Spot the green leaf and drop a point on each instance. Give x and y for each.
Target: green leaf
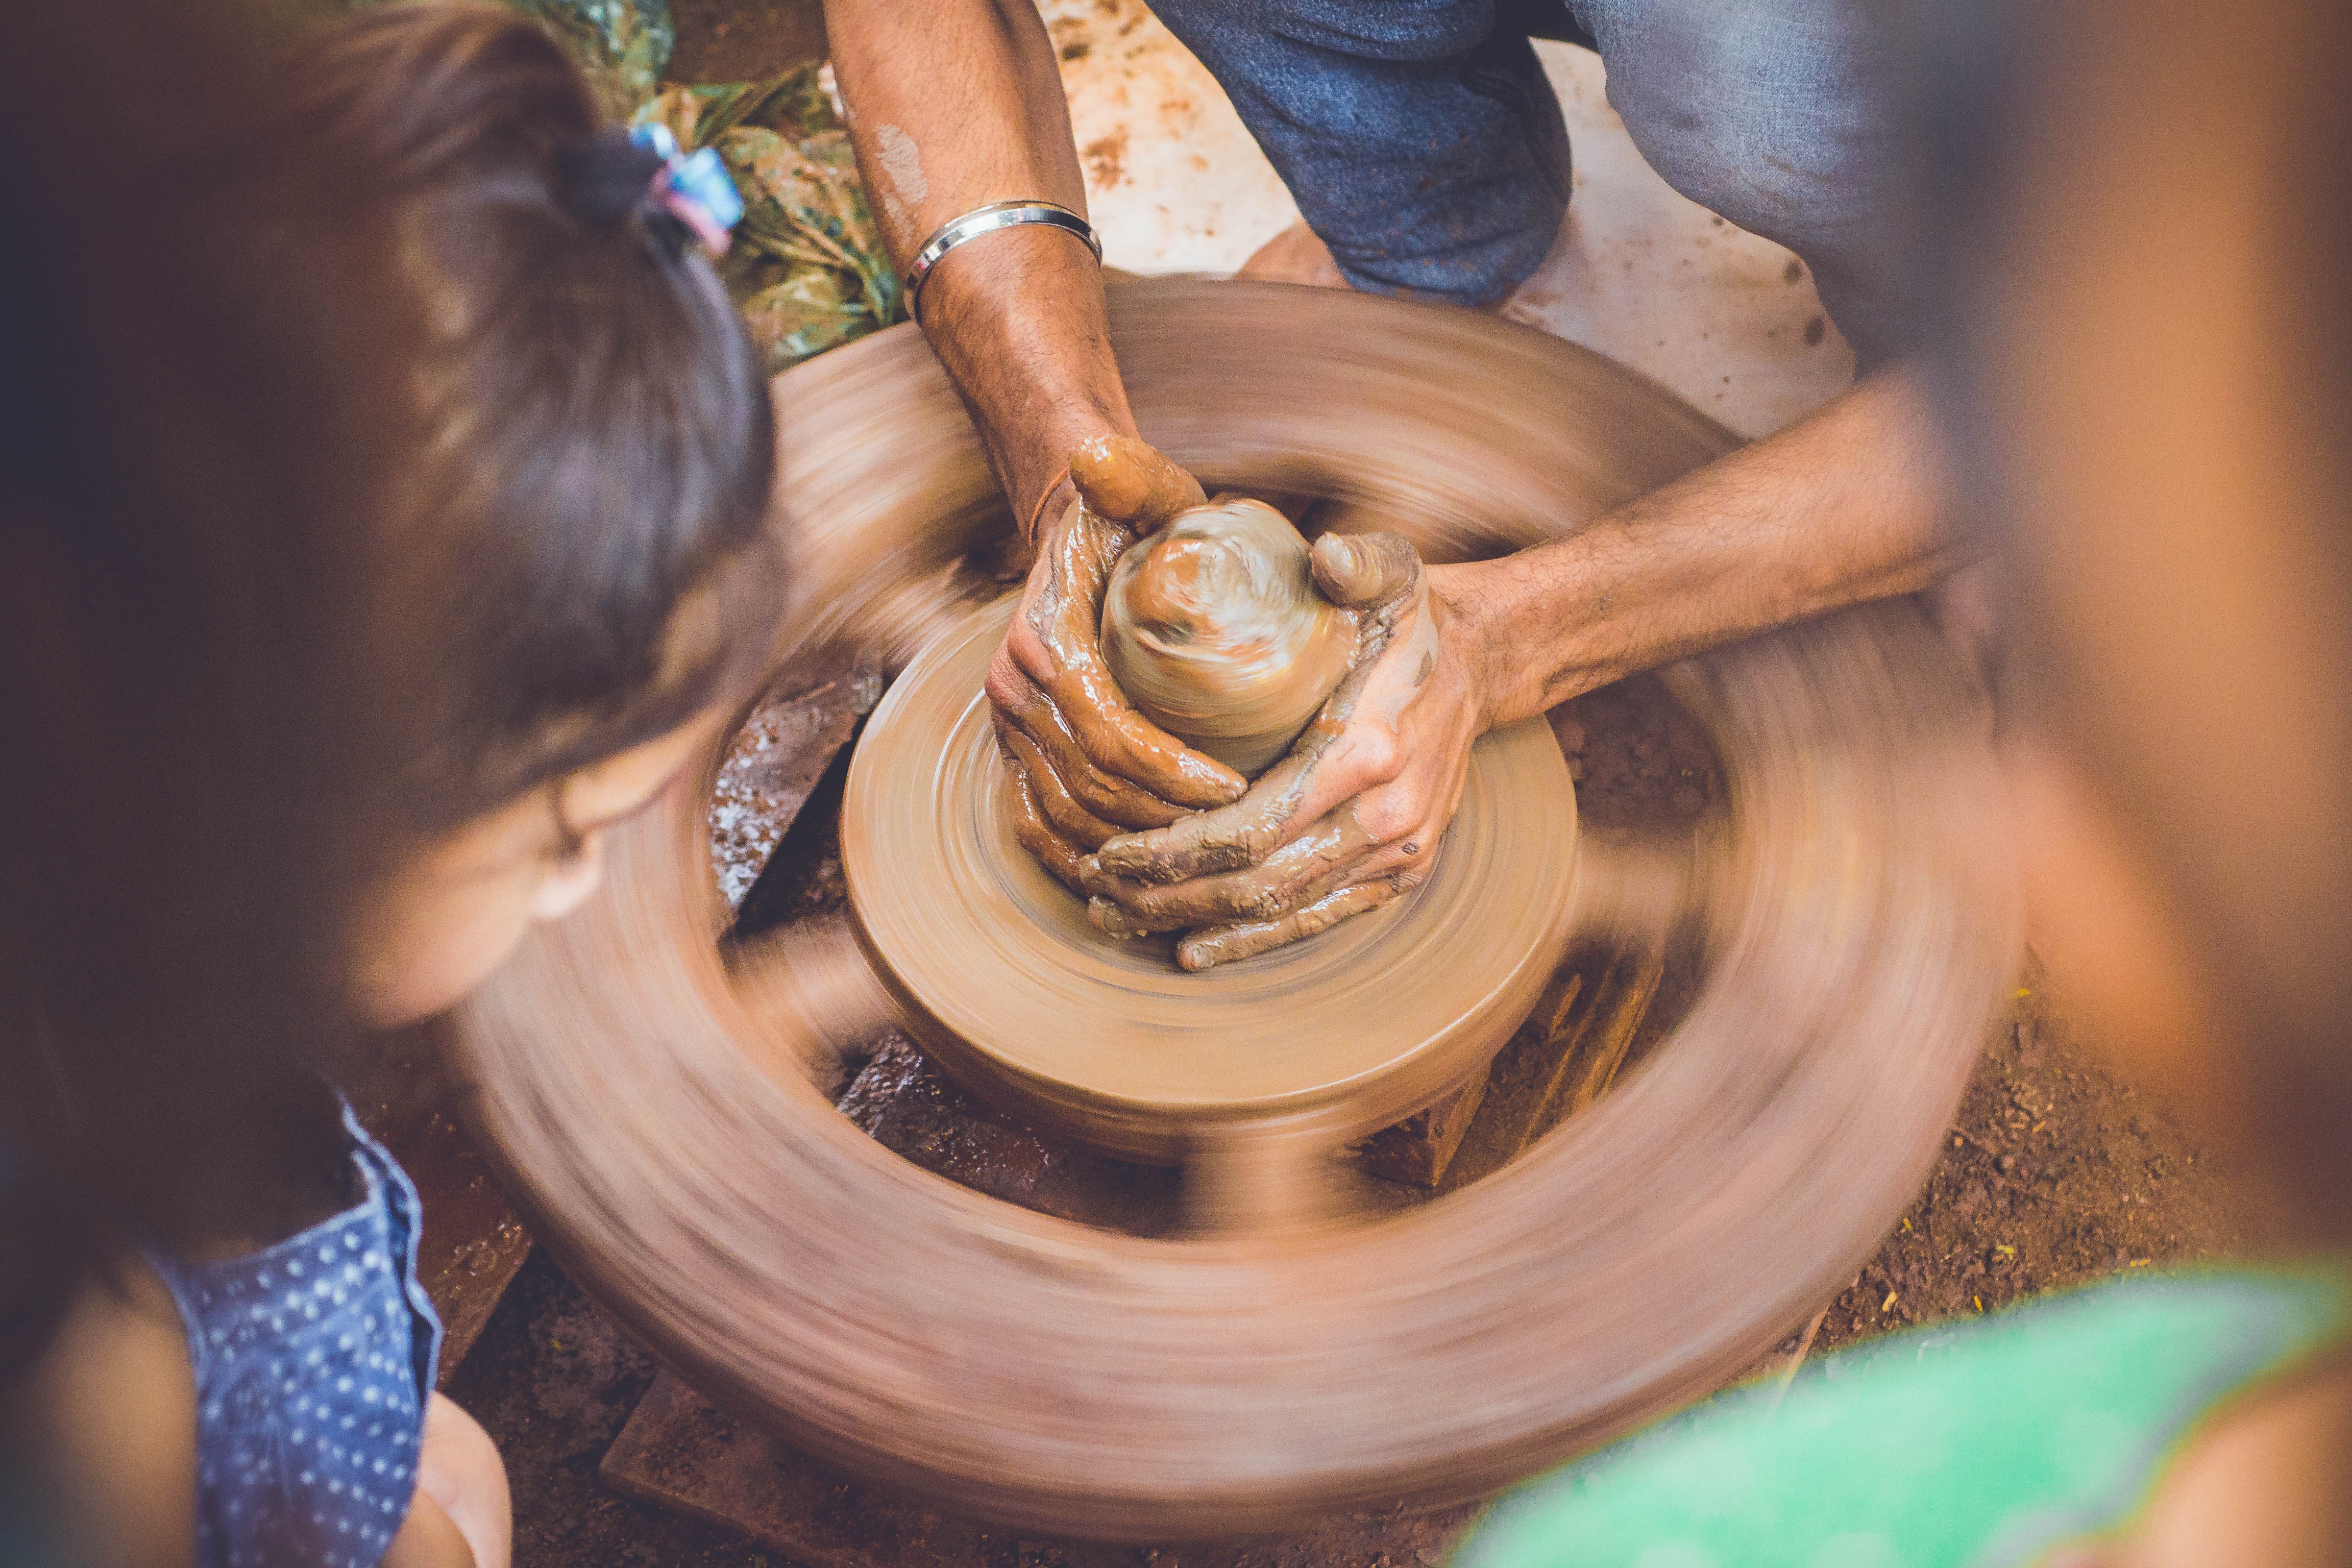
(803, 316)
(622, 44)
(807, 270)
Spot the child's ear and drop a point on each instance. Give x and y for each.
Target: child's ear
(590, 799)
(607, 790)
(567, 883)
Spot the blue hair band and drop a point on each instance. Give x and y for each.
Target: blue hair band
(694, 186)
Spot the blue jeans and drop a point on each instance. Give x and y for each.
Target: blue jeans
(1426, 147)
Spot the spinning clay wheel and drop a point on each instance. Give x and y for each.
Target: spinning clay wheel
(655, 1098)
(1001, 976)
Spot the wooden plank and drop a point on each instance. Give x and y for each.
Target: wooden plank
(680, 1451)
(1417, 1150)
(1592, 1026)
(772, 768)
(472, 1245)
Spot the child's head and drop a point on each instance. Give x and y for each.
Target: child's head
(575, 569)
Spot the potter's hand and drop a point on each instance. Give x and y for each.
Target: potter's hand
(1351, 817)
(1085, 766)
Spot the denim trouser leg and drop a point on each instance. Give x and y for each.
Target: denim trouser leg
(1425, 149)
(1784, 117)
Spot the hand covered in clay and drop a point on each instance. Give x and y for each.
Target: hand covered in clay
(1086, 766)
(1351, 817)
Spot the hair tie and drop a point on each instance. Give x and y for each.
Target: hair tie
(693, 187)
(602, 179)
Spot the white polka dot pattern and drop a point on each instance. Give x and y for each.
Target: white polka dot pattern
(313, 1360)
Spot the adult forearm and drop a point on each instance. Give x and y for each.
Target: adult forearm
(1843, 507)
(954, 105)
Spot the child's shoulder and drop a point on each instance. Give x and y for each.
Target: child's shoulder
(1979, 1440)
(2264, 1486)
(107, 1420)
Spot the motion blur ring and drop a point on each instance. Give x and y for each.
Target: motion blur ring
(647, 1103)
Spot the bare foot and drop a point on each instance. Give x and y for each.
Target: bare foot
(1296, 256)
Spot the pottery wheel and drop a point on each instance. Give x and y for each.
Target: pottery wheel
(654, 1100)
(1003, 978)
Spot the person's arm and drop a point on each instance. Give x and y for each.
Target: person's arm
(953, 106)
(104, 1424)
(1842, 507)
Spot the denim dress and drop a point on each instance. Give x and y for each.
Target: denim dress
(314, 1359)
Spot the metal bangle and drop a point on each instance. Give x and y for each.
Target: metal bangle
(988, 220)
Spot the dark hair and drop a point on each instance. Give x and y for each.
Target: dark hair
(187, 451)
(364, 460)
(578, 559)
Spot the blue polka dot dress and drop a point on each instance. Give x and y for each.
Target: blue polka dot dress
(314, 1362)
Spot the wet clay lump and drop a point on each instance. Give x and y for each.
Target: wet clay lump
(1215, 630)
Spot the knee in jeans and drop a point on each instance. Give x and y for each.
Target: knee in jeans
(1398, 31)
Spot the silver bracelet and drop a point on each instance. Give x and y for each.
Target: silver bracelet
(988, 220)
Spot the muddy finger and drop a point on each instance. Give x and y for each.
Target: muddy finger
(1225, 839)
(1059, 649)
(1330, 852)
(1365, 570)
(1105, 796)
(1113, 922)
(1113, 918)
(1033, 833)
(1127, 743)
(1309, 781)
(1107, 727)
(1132, 481)
(1069, 818)
(1223, 944)
(1083, 555)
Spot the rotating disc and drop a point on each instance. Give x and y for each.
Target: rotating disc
(1003, 978)
(642, 1094)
